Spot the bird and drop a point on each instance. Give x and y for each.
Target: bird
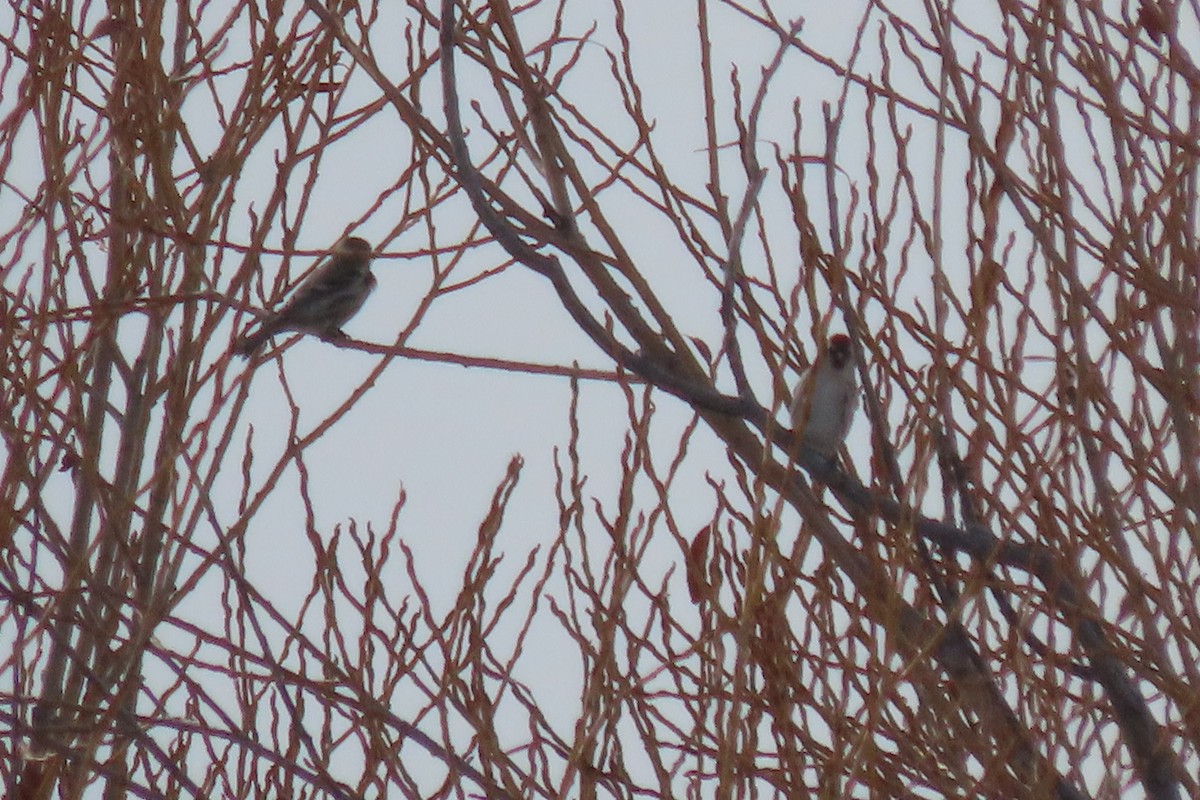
(323, 302)
(826, 398)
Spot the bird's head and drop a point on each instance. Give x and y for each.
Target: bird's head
(354, 247)
(840, 351)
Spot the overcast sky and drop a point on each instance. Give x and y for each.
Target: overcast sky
(443, 434)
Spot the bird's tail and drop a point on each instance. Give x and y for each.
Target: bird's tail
(251, 343)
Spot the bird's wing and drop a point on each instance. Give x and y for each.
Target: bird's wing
(328, 297)
(332, 277)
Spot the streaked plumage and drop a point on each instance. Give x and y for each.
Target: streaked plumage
(324, 301)
(826, 398)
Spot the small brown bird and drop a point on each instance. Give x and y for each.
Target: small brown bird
(826, 398)
(324, 301)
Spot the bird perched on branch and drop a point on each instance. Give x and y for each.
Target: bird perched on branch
(323, 302)
(827, 398)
